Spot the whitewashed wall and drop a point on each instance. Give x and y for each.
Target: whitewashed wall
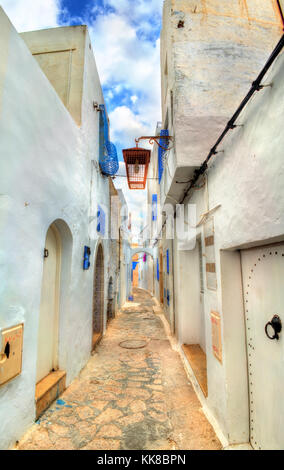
(46, 166)
(247, 182)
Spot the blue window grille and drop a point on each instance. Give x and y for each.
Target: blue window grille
(168, 297)
(107, 153)
(163, 143)
(158, 271)
(168, 262)
(101, 220)
(154, 206)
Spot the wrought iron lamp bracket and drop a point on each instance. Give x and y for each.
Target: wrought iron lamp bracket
(155, 139)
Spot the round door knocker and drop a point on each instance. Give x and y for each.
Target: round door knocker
(276, 325)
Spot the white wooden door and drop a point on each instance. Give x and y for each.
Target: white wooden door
(263, 285)
(48, 318)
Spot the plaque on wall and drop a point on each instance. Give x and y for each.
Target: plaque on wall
(211, 277)
(216, 335)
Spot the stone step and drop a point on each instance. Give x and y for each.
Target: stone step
(48, 390)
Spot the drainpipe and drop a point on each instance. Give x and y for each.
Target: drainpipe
(173, 293)
(281, 12)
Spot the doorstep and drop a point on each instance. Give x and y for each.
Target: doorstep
(48, 390)
(197, 361)
(96, 339)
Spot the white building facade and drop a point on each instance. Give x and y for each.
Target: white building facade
(221, 292)
(54, 207)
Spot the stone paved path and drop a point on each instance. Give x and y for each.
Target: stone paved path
(127, 398)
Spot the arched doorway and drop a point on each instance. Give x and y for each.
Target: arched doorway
(98, 303)
(47, 350)
(110, 301)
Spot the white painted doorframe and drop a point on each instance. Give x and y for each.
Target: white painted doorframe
(48, 331)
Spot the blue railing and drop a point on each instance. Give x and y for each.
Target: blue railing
(108, 155)
(164, 143)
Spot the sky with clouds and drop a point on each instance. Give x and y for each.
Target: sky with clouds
(125, 38)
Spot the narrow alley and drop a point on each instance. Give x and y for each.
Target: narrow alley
(133, 394)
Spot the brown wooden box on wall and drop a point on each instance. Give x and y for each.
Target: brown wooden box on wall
(11, 354)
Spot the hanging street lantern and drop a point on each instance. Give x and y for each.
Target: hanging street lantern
(137, 160)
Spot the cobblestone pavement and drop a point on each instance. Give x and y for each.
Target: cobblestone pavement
(127, 398)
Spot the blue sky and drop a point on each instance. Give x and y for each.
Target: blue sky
(125, 38)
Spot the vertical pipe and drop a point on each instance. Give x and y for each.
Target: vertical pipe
(281, 12)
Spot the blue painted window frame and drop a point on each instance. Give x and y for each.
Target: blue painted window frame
(168, 262)
(101, 220)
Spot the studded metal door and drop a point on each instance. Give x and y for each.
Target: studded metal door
(263, 285)
(98, 306)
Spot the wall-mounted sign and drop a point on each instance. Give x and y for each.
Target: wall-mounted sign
(209, 238)
(216, 335)
(86, 261)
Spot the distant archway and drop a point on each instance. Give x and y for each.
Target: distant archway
(134, 251)
(139, 271)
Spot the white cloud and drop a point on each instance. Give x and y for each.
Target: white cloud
(27, 15)
(141, 9)
(121, 56)
(128, 61)
(128, 57)
(126, 126)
